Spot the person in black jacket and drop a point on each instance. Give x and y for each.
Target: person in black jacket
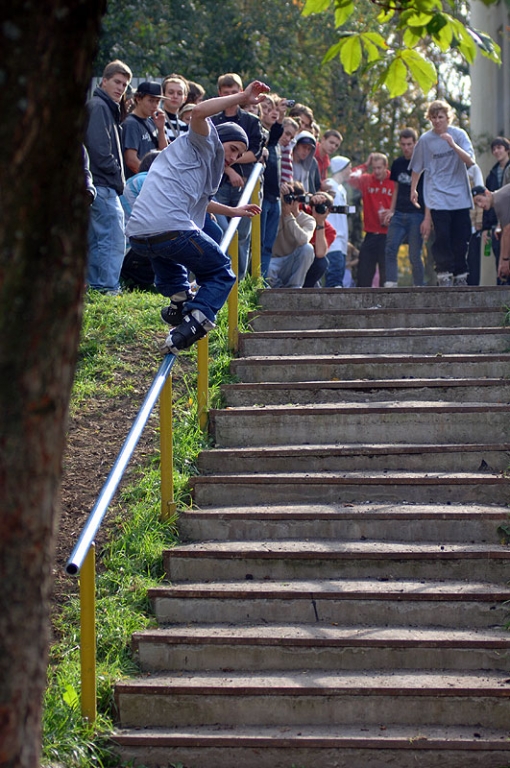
(103, 143)
(500, 148)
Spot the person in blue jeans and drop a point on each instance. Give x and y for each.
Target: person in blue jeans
(168, 214)
(405, 221)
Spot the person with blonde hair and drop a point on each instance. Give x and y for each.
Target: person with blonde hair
(443, 155)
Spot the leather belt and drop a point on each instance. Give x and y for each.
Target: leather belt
(161, 238)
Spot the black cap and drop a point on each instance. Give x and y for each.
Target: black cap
(478, 190)
(149, 89)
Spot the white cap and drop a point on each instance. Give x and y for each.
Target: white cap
(338, 163)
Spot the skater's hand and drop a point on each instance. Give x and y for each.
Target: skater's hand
(248, 210)
(255, 92)
(414, 198)
(426, 227)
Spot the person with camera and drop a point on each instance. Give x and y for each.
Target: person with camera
(322, 239)
(293, 253)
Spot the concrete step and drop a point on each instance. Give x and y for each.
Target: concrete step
(316, 697)
(318, 645)
(405, 317)
(342, 367)
(327, 746)
(409, 422)
(419, 341)
(494, 390)
(414, 522)
(457, 457)
(369, 602)
(302, 299)
(340, 488)
(322, 559)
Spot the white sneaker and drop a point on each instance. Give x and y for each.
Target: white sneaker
(390, 284)
(460, 279)
(444, 279)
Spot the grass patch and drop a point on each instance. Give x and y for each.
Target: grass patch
(118, 344)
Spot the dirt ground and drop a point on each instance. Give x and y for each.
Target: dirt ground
(95, 436)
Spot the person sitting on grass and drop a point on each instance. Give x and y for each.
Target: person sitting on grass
(171, 207)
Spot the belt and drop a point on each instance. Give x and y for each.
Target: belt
(161, 238)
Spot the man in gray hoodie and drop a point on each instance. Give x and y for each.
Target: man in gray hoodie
(304, 165)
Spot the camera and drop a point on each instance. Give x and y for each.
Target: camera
(291, 103)
(298, 198)
(325, 208)
(342, 209)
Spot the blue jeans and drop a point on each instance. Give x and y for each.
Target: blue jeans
(405, 226)
(336, 269)
(195, 251)
(229, 195)
(269, 220)
(290, 271)
(107, 244)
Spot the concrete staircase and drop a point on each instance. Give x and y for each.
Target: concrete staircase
(341, 600)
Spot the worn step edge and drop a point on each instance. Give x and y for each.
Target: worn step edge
(323, 683)
(329, 589)
(371, 358)
(359, 478)
(341, 737)
(376, 333)
(401, 383)
(327, 550)
(323, 636)
(346, 449)
(409, 406)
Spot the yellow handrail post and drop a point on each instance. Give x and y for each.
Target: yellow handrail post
(256, 242)
(168, 505)
(203, 382)
(88, 636)
(233, 299)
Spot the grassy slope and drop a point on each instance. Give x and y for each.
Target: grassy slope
(118, 344)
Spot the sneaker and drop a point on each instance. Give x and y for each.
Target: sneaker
(390, 284)
(444, 279)
(174, 314)
(460, 279)
(193, 327)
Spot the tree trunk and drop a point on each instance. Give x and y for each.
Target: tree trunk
(46, 61)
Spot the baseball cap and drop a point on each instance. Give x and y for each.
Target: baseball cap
(149, 89)
(478, 190)
(338, 163)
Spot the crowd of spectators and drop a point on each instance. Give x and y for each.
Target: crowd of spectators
(423, 199)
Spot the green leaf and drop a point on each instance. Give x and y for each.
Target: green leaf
(419, 19)
(396, 78)
(350, 54)
(377, 39)
(315, 6)
(486, 44)
(385, 16)
(342, 13)
(444, 37)
(411, 37)
(71, 697)
(372, 51)
(422, 71)
(333, 52)
(465, 43)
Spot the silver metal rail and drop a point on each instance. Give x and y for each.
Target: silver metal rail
(244, 200)
(100, 508)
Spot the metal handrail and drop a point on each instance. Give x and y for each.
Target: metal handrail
(244, 200)
(100, 508)
(82, 559)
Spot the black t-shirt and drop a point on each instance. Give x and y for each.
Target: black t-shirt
(401, 173)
